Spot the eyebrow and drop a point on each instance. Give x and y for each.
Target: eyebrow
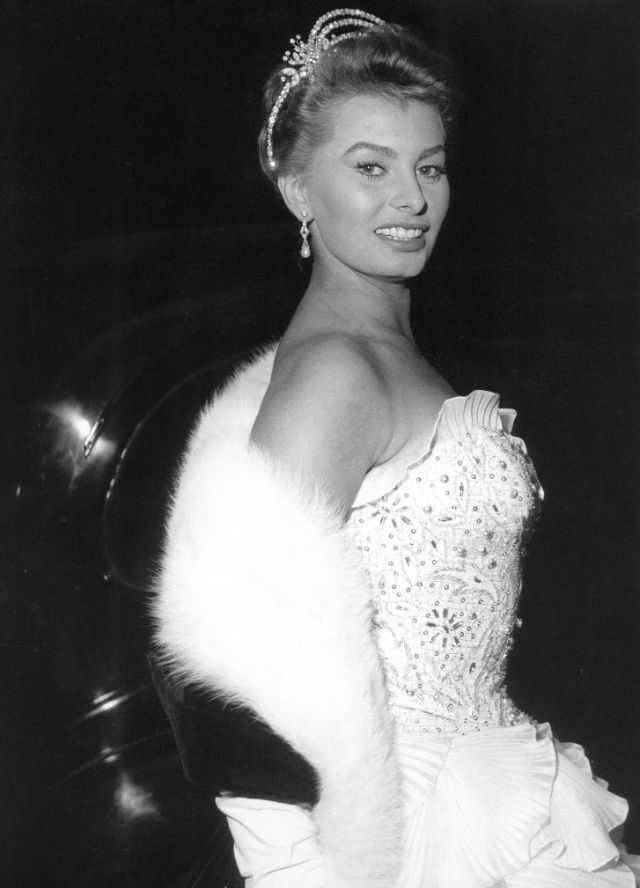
(389, 152)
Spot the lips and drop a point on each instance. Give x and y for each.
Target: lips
(400, 233)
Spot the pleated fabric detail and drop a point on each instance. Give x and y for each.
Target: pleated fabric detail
(583, 813)
(543, 872)
(506, 808)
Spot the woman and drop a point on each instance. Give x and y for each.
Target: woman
(343, 552)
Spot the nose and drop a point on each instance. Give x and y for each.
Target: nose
(408, 194)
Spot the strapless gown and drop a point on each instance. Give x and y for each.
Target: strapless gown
(492, 799)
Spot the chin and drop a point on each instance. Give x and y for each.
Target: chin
(408, 268)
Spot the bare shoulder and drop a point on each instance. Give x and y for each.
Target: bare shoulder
(327, 411)
(336, 360)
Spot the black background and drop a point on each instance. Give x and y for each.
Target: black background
(132, 123)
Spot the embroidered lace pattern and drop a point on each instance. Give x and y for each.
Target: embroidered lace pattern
(443, 552)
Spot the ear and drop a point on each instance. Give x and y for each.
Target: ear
(294, 195)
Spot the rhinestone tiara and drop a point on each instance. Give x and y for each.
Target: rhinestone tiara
(301, 59)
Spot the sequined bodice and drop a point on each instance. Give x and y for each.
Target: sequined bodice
(442, 550)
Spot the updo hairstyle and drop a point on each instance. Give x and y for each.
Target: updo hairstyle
(386, 60)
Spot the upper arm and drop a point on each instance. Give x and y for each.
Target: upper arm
(326, 416)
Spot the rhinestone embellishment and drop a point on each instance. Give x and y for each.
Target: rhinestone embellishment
(303, 56)
(443, 552)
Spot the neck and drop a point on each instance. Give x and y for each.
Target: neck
(359, 303)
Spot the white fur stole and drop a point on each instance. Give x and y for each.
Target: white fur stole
(260, 599)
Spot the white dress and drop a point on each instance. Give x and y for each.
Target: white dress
(492, 799)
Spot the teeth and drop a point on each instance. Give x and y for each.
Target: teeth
(397, 233)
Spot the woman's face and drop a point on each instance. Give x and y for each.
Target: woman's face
(378, 190)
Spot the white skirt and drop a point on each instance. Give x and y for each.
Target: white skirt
(499, 808)
(274, 843)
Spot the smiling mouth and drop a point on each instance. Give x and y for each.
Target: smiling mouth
(398, 233)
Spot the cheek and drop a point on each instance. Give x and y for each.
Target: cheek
(344, 209)
(440, 203)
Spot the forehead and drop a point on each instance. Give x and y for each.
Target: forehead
(384, 121)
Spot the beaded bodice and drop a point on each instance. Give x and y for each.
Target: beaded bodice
(442, 549)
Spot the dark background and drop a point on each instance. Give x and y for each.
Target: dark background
(129, 185)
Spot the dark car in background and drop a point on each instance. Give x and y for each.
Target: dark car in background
(93, 790)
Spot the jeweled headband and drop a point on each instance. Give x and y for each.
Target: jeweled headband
(301, 59)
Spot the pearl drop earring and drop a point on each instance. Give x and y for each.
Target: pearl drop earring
(305, 249)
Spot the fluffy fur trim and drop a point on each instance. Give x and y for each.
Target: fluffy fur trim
(261, 600)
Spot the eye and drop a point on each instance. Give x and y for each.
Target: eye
(433, 172)
(369, 169)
